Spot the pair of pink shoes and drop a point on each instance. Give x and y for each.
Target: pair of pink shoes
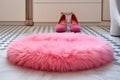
(62, 24)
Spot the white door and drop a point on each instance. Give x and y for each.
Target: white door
(49, 10)
(12, 10)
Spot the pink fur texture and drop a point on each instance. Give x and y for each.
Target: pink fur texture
(60, 52)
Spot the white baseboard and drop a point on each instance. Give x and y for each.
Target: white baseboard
(83, 23)
(49, 23)
(96, 23)
(12, 23)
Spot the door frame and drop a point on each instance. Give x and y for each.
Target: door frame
(29, 12)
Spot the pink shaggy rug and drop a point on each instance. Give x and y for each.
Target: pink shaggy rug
(60, 52)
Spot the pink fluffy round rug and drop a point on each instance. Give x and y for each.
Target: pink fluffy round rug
(60, 52)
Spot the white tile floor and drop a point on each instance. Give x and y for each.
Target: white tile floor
(11, 72)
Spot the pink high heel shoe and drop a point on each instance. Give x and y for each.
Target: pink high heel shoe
(74, 24)
(62, 24)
